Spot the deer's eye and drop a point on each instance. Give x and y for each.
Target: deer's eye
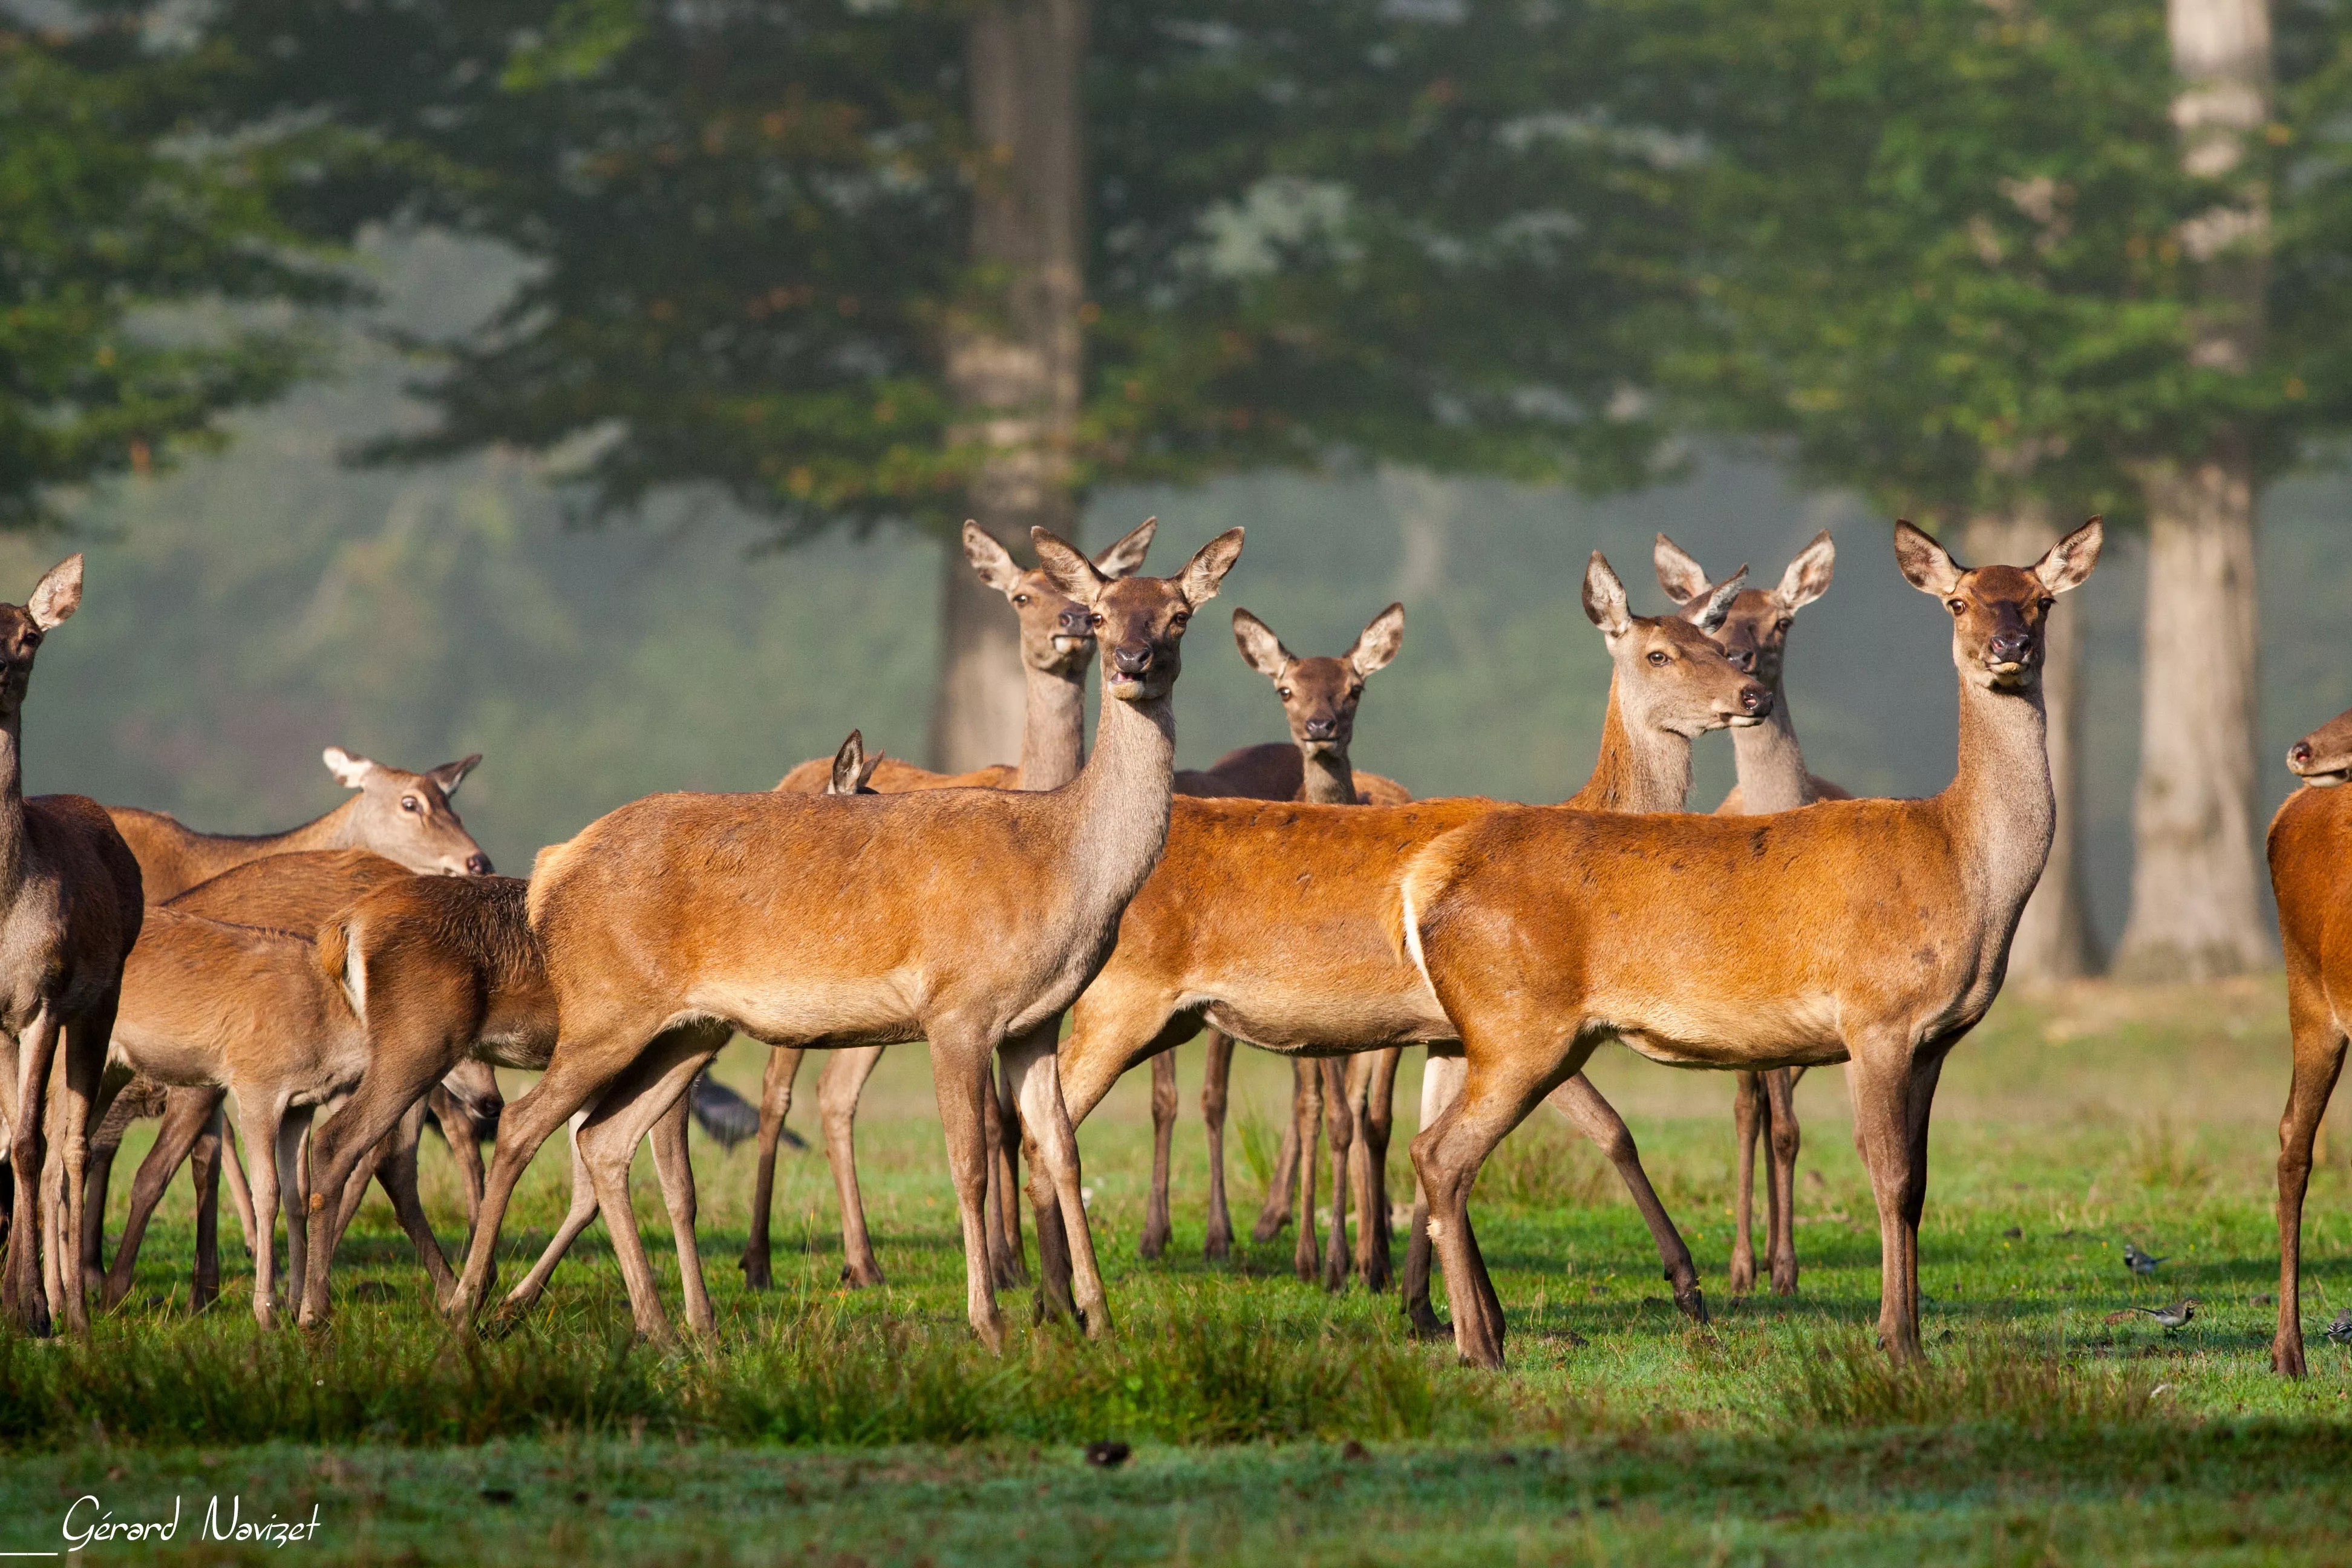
(1020, 598)
(408, 802)
(2048, 603)
(1354, 692)
(1958, 606)
(1178, 621)
(1283, 692)
(1783, 624)
(1096, 619)
(1658, 656)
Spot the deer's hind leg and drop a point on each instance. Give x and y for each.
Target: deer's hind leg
(1780, 1095)
(1749, 1116)
(1371, 1096)
(24, 1296)
(839, 1089)
(188, 1118)
(2319, 1049)
(1597, 1119)
(1216, 1087)
(1306, 1115)
(575, 1220)
(775, 1105)
(1339, 1128)
(1157, 1227)
(1281, 1192)
(1441, 1086)
(637, 1098)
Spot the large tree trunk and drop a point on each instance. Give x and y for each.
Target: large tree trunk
(2055, 940)
(2197, 883)
(1013, 349)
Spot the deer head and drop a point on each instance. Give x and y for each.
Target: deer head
(1998, 613)
(853, 770)
(475, 1088)
(1670, 674)
(1755, 630)
(2323, 759)
(1055, 636)
(407, 816)
(1319, 695)
(22, 627)
(1138, 621)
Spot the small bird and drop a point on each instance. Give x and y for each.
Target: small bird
(2172, 1317)
(2139, 1262)
(1108, 1453)
(2340, 1331)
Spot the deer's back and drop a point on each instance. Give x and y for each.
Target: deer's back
(293, 892)
(1704, 938)
(208, 1003)
(892, 776)
(452, 956)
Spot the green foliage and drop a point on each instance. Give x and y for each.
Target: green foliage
(108, 208)
(1991, 1378)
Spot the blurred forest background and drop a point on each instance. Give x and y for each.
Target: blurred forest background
(455, 433)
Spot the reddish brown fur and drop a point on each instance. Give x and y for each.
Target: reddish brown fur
(2311, 872)
(1878, 934)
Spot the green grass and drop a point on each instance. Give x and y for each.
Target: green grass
(1273, 1423)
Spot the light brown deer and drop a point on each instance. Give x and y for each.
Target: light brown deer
(2311, 871)
(1057, 644)
(980, 914)
(1319, 698)
(69, 910)
(1277, 923)
(1772, 777)
(295, 893)
(1870, 932)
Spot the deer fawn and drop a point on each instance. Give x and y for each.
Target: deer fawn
(1319, 697)
(69, 910)
(1277, 923)
(1870, 932)
(1057, 644)
(2311, 871)
(1772, 777)
(980, 915)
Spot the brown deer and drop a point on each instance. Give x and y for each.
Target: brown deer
(679, 918)
(2311, 871)
(296, 893)
(1319, 697)
(1870, 931)
(401, 815)
(1277, 923)
(69, 910)
(1772, 777)
(1057, 644)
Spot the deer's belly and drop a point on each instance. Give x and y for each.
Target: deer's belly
(875, 1011)
(1790, 1031)
(1327, 1020)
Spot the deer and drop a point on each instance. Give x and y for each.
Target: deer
(1873, 932)
(1276, 922)
(296, 892)
(1319, 697)
(678, 920)
(1772, 777)
(1056, 646)
(70, 908)
(2308, 845)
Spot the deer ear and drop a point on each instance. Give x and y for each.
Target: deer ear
(1682, 578)
(847, 762)
(449, 775)
(2071, 559)
(1808, 577)
(1378, 642)
(866, 774)
(1718, 603)
(1261, 649)
(1124, 557)
(1068, 568)
(1604, 597)
(990, 560)
(350, 771)
(1198, 582)
(58, 595)
(1926, 565)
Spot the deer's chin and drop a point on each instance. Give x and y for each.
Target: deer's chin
(1130, 689)
(1743, 722)
(2329, 779)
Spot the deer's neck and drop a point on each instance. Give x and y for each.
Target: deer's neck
(1052, 731)
(1330, 779)
(1772, 775)
(1641, 769)
(339, 829)
(1121, 802)
(12, 801)
(2003, 810)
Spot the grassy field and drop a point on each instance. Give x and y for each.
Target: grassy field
(1271, 1423)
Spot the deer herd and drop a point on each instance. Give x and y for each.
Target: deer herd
(1047, 926)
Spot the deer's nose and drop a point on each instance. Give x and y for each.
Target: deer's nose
(1322, 729)
(492, 1108)
(2299, 754)
(1132, 658)
(2012, 647)
(1743, 659)
(1755, 702)
(477, 864)
(1073, 623)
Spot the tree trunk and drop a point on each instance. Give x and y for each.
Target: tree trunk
(2055, 939)
(1013, 349)
(2196, 882)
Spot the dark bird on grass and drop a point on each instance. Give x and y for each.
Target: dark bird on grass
(2139, 1262)
(1107, 1454)
(727, 1116)
(2340, 1331)
(2173, 1317)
